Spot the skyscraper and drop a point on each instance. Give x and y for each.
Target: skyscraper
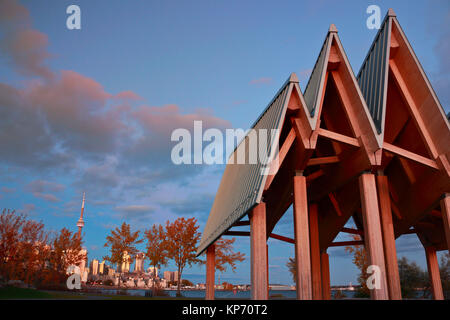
(94, 267)
(139, 263)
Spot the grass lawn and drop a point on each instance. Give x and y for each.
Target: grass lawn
(23, 293)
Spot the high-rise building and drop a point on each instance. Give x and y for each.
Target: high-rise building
(94, 267)
(168, 275)
(125, 267)
(139, 263)
(101, 267)
(171, 275)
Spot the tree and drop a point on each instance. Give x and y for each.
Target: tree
(412, 277)
(10, 238)
(66, 251)
(182, 239)
(122, 241)
(226, 256)
(34, 251)
(292, 266)
(156, 248)
(361, 261)
(444, 269)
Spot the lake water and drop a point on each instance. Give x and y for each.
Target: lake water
(200, 294)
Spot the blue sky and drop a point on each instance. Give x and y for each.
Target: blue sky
(92, 109)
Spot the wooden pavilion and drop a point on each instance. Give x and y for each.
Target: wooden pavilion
(374, 148)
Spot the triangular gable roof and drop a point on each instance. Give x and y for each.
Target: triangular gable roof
(315, 86)
(372, 77)
(242, 185)
(315, 89)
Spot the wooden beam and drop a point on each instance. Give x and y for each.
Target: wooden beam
(280, 157)
(335, 204)
(387, 226)
(282, 238)
(404, 91)
(302, 247)
(210, 271)
(325, 269)
(241, 223)
(372, 232)
(338, 137)
(409, 155)
(237, 233)
(322, 160)
(396, 210)
(445, 208)
(316, 274)
(313, 176)
(347, 243)
(433, 271)
(258, 252)
(352, 231)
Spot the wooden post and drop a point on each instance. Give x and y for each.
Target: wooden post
(433, 271)
(302, 247)
(390, 252)
(372, 233)
(445, 211)
(267, 255)
(210, 271)
(315, 252)
(325, 268)
(258, 252)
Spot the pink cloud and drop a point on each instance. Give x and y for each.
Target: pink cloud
(26, 47)
(128, 95)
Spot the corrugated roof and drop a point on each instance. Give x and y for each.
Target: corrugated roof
(242, 184)
(314, 86)
(372, 77)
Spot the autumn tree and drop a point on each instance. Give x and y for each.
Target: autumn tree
(182, 239)
(66, 251)
(361, 261)
(10, 238)
(122, 241)
(292, 266)
(156, 248)
(34, 251)
(225, 256)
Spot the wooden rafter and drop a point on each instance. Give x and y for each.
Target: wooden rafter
(410, 155)
(322, 160)
(281, 156)
(335, 204)
(338, 137)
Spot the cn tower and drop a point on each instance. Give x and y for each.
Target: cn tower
(80, 223)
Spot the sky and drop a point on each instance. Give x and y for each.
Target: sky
(92, 110)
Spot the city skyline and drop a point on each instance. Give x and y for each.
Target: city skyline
(94, 114)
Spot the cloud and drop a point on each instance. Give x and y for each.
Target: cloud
(26, 48)
(127, 95)
(43, 186)
(7, 190)
(41, 189)
(261, 81)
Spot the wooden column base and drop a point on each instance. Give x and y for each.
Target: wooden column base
(325, 269)
(259, 272)
(433, 271)
(302, 245)
(210, 272)
(373, 234)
